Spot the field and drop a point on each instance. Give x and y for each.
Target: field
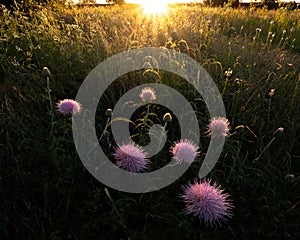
(253, 57)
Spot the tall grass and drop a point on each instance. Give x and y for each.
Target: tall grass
(46, 193)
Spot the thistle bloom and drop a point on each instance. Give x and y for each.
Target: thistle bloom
(184, 151)
(68, 106)
(148, 94)
(206, 201)
(131, 157)
(218, 127)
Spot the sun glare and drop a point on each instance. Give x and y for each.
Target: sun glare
(155, 7)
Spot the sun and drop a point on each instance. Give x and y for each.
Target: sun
(155, 7)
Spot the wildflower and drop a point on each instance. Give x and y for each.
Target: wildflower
(68, 106)
(206, 201)
(184, 151)
(218, 126)
(148, 94)
(272, 92)
(131, 157)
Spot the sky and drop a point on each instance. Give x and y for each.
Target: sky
(141, 1)
(175, 1)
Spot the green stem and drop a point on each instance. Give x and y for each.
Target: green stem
(225, 86)
(268, 145)
(51, 106)
(117, 211)
(106, 125)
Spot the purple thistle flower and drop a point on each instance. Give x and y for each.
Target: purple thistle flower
(184, 151)
(68, 106)
(218, 126)
(206, 201)
(131, 157)
(148, 94)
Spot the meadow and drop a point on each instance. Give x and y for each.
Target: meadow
(252, 55)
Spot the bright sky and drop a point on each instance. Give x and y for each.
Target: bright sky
(142, 1)
(167, 1)
(174, 1)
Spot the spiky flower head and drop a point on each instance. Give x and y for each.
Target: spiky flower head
(148, 94)
(207, 201)
(68, 106)
(131, 157)
(184, 151)
(218, 126)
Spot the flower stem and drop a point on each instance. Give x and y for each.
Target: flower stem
(266, 147)
(106, 125)
(51, 106)
(117, 211)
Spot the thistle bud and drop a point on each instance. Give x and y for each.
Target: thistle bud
(167, 117)
(46, 72)
(279, 130)
(290, 177)
(108, 112)
(106, 133)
